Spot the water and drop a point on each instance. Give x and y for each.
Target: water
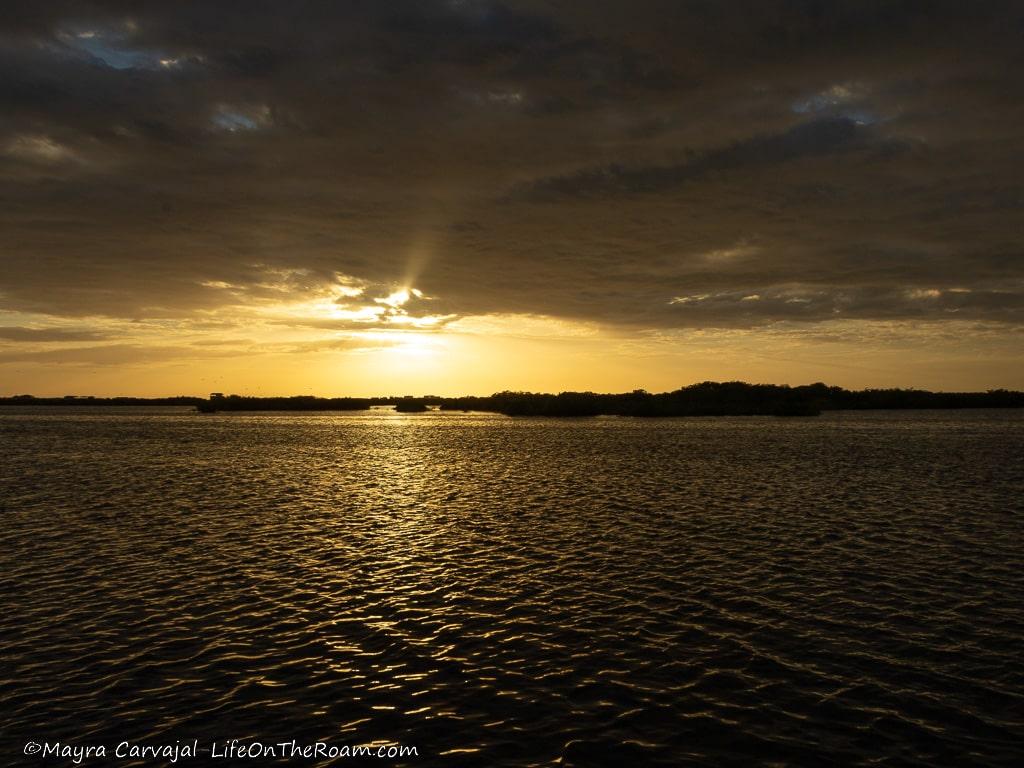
(503, 592)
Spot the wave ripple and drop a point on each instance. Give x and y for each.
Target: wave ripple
(518, 592)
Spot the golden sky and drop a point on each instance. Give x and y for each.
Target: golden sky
(485, 354)
(462, 197)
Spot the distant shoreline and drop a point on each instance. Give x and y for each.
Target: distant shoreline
(704, 399)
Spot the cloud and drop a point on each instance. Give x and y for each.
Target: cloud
(113, 354)
(40, 149)
(585, 163)
(805, 140)
(15, 333)
(815, 303)
(241, 117)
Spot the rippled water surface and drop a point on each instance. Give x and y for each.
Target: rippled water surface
(516, 592)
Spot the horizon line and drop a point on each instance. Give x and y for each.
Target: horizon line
(635, 391)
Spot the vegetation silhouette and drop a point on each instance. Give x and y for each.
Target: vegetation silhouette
(734, 398)
(709, 398)
(410, 405)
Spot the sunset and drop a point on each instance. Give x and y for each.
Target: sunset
(460, 197)
(512, 383)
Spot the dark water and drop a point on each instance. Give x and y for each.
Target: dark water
(499, 592)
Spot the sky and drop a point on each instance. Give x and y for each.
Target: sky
(462, 196)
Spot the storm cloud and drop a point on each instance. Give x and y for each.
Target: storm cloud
(651, 165)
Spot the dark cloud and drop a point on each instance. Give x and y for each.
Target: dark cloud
(599, 161)
(878, 302)
(805, 140)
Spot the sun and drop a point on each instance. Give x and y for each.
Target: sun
(415, 345)
(397, 345)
